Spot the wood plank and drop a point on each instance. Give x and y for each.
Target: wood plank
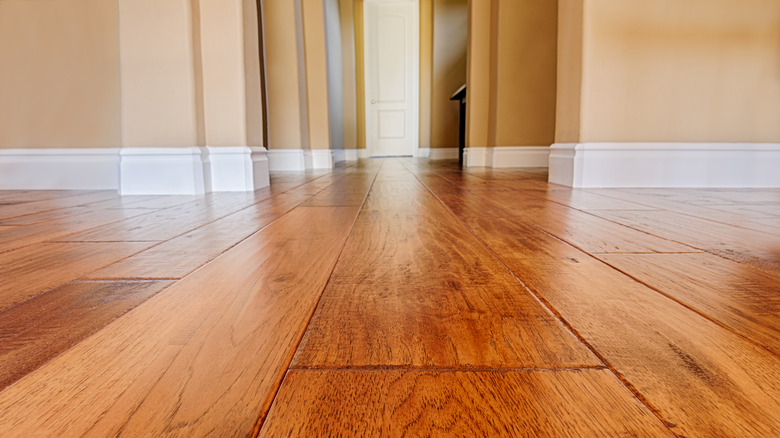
(13, 210)
(420, 291)
(584, 199)
(18, 237)
(412, 403)
(735, 243)
(205, 357)
(701, 378)
(167, 223)
(28, 271)
(708, 212)
(181, 255)
(743, 298)
(39, 329)
(593, 234)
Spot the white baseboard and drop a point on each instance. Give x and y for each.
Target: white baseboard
(342, 155)
(238, 168)
(59, 169)
(507, 156)
(164, 171)
(318, 159)
(286, 160)
(422, 152)
(724, 165)
(443, 154)
(363, 154)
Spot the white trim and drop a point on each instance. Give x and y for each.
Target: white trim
(341, 155)
(746, 165)
(318, 159)
(59, 169)
(286, 160)
(363, 154)
(164, 171)
(422, 152)
(238, 168)
(351, 154)
(443, 154)
(507, 156)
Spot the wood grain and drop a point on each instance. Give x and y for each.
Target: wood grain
(181, 255)
(29, 271)
(703, 379)
(39, 329)
(412, 403)
(21, 208)
(22, 236)
(743, 298)
(168, 223)
(735, 243)
(205, 357)
(420, 291)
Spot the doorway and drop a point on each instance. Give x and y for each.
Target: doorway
(391, 29)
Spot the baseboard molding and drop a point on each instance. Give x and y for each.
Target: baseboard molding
(318, 159)
(443, 154)
(238, 168)
(363, 154)
(507, 157)
(285, 160)
(422, 152)
(716, 165)
(59, 169)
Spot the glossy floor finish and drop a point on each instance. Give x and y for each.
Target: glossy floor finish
(393, 297)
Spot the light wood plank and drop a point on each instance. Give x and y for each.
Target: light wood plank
(181, 255)
(205, 357)
(20, 209)
(167, 223)
(702, 378)
(29, 271)
(735, 243)
(412, 403)
(39, 329)
(52, 230)
(741, 297)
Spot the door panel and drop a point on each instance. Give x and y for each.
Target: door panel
(392, 69)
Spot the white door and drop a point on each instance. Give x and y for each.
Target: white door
(392, 33)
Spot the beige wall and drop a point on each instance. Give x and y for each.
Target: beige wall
(59, 80)
(512, 73)
(159, 101)
(348, 71)
(282, 74)
(426, 72)
(567, 128)
(316, 73)
(450, 24)
(679, 71)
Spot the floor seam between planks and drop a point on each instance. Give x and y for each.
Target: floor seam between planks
(634, 390)
(263, 415)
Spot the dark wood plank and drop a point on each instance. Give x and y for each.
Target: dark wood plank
(420, 291)
(412, 403)
(736, 295)
(702, 379)
(205, 357)
(181, 255)
(735, 243)
(39, 329)
(28, 271)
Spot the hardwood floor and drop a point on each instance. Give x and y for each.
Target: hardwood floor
(392, 297)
